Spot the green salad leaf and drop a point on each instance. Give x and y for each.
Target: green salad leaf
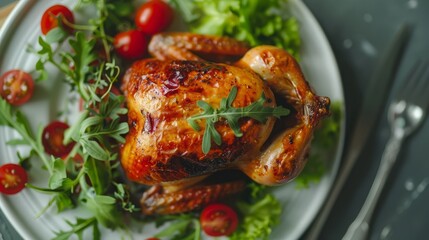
(180, 227)
(88, 176)
(103, 207)
(78, 229)
(259, 215)
(256, 22)
(17, 120)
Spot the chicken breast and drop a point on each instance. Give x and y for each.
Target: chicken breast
(161, 95)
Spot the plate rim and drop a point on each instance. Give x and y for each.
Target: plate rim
(14, 19)
(308, 15)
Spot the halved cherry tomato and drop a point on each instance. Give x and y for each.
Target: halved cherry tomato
(52, 139)
(13, 178)
(50, 18)
(131, 44)
(16, 86)
(153, 16)
(218, 220)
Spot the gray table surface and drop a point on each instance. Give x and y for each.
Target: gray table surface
(358, 31)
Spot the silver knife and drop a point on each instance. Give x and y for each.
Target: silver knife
(373, 103)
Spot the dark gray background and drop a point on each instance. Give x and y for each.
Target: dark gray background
(358, 31)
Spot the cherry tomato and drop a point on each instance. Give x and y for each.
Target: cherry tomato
(153, 16)
(13, 178)
(52, 139)
(131, 44)
(218, 220)
(16, 87)
(50, 18)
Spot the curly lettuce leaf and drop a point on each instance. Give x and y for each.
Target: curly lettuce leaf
(255, 22)
(259, 215)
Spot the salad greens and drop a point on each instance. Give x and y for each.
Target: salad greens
(180, 227)
(91, 69)
(95, 184)
(260, 211)
(16, 119)
(78, 228)
(255, 22)
(260, 214)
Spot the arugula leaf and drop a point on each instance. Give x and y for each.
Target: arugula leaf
(99, 174)
(24, 161)
(181, 227)
(16, 120)
(59, 174)
(94, 132)
(103, 207)
(72, 133)
(83, 55)
(78, 228)
(15, 142)
(174, 227)
(60, 185)
(81, 60)
(94, 149)
(123, 195)
(256, 110)
(45, 54)
(56, 35)
(98, 132)
(63, 201)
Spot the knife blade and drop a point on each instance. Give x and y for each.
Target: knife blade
(373, 102)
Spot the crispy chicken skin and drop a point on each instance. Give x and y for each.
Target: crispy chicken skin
(162, 149)
(161, 146)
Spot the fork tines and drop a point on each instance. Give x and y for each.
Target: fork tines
(416, 85)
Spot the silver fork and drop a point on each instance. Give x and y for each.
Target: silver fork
(406, 112)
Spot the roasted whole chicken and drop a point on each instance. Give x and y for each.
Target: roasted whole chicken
(164, 151)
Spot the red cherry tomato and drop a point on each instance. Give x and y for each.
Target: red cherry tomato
(52, 139)
(153, 16)
(218, 220)
(16, 87)
(131, 44)
(50, 18)
(13, 178)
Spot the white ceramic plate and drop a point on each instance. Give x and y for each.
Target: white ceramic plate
(22, 28)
